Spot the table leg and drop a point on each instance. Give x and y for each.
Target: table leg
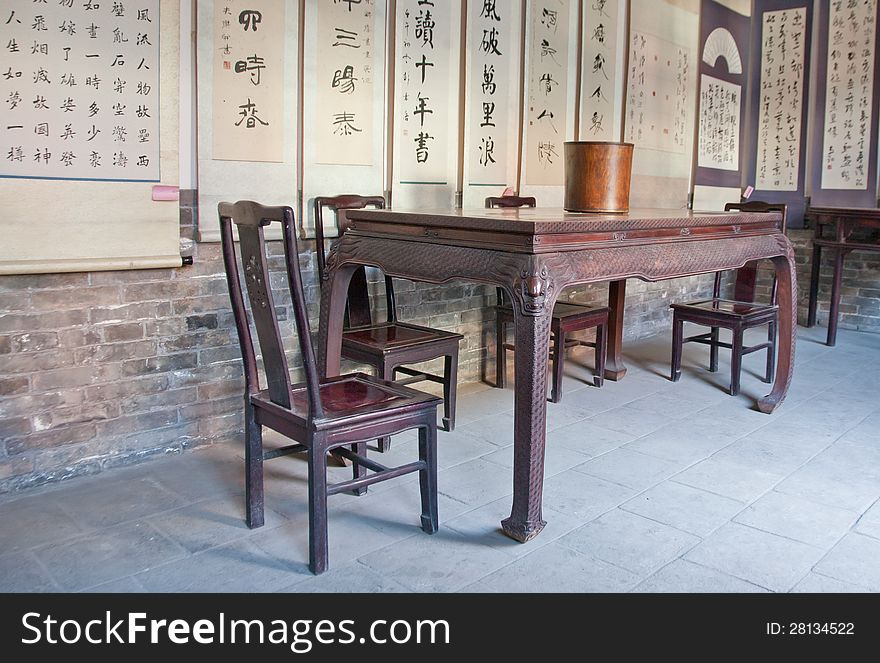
(529, 425)
(614, 368)
(834, 309)
(786, 299)
(333, 297)
(814, 285)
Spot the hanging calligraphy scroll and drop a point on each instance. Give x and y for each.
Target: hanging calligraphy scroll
(81, 84)
(724, 70)
(602, 69)
(343, 102)
(494, 47)
(80, 90)
(258, 169)
(661, 87)
(551, 70)
(426, 92)
(248, 80)
(845, 138)
(776, 161)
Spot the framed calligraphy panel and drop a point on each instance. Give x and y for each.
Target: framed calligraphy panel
(724, 70)
(427, 59)
(492, 122)
(602, 69)
(344, 93)
(549, 103)
(845, 135)
(661, 90)
(247, 132)
(84, 135)
(776, 145)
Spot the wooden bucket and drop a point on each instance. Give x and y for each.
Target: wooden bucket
(597, 176)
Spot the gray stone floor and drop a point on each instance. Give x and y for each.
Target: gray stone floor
(650, 487)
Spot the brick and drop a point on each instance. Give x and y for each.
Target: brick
(52, 438)
(207, 409)
(57, 417)
(214, 390)
(213, 373)
(218, 355)
(221, 426)
(41, 321)
(77, 338)
(165, 327)
(159, 364)
(34, 341)
(143, 402)
(14, 386)
(137, 422)
(15, 301)
(160, 290)
(43, 281)
(131, 387)
(14, 467)
(79, 376)
(208, 321)
(130, 331)
(130, 312)
(32, 363)
(14, 427)
(29, 404)
(115, 352)
(5, 345)
(75, 298)
(198, 340)
(201, 304)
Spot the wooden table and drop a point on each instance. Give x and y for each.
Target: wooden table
(841, 223)
(534, 253)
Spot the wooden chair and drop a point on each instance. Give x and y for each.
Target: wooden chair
(390, 344)
(737, 316)
(320, 416)
(567, 319)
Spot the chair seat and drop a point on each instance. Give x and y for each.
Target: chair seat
(392, 336)
(349, 396)
(727, 308)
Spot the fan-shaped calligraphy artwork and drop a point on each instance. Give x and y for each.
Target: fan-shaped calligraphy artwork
(721, 44)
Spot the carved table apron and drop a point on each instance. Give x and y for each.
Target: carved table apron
(534, 253)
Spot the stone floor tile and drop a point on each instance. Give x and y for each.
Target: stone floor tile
(681, 576)
(798, 518)
(583, 497)
(630, 541)
(684, 507)
(21, 572)
(758, 557)
(854, 560)
(630, 468)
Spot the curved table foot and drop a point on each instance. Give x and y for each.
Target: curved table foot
(522, 531)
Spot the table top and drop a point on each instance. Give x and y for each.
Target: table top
(539, 229)
(854, 213)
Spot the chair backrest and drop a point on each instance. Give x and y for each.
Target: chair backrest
(250, 218)
(508, 201)
(753, 206)
(358, 312)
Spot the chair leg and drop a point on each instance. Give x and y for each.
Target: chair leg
(601, 351)
(384, 443)
(771, 352)
(253, 461)
(736, 361)
(317, 508)
(677, 341)
(713, 350)
(428, 477)
(558, 366)
(358, 470)
(500, 353)
(450, 387)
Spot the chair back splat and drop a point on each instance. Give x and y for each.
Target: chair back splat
(251, 218)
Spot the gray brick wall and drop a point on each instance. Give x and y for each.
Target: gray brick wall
(105, 369)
